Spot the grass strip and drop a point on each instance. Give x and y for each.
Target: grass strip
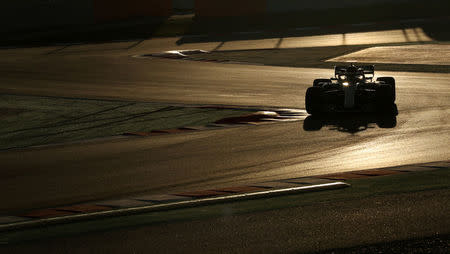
(34, 120)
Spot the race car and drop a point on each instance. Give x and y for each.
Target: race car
(352, 89)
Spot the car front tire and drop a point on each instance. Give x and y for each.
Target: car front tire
(312, 100)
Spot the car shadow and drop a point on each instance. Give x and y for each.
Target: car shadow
(349, 122)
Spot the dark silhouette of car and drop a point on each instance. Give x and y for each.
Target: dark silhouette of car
(352, 89)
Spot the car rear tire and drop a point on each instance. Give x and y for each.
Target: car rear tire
(387, 122)
(320, 82)
(388, 81)
(384, 94)
(385, 99)
(312, 100)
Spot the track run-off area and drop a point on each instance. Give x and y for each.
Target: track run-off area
(69, 173)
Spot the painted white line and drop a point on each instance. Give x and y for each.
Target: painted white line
(292, 118)
(170, 206)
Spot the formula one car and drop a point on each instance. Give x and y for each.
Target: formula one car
(352, 89)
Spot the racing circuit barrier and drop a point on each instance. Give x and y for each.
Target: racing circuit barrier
(21, 15)
(300, 5)
(109, 10)
(221, 8)
(33, 14)
(183, 4)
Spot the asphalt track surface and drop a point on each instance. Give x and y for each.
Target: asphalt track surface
(70, 173)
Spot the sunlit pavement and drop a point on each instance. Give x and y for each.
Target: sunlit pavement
(430, 54)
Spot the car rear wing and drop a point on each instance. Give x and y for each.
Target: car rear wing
(340, 70)
(368, 70)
